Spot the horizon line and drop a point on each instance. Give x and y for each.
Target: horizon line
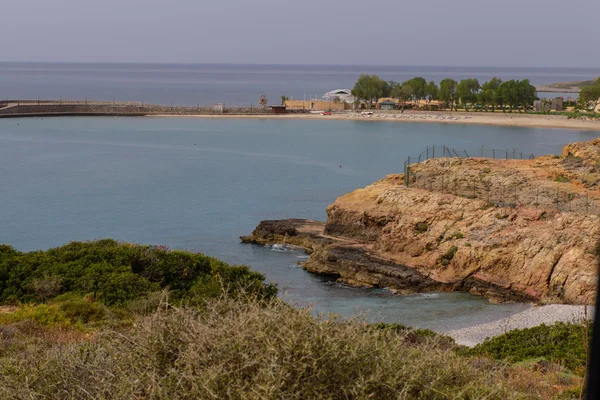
(290, 64)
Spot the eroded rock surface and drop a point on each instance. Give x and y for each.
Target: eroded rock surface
(504, 244)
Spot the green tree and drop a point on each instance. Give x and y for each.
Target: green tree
(590, 96)
(510, 95)
(527, 94)
(283, 100)
(403, 93)
(517, 94)
(432, 91)
(467, 91)
(370, 88)
(447, 92)
(418, 87)
(490, 95)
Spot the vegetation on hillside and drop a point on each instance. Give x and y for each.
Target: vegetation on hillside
(114, 273)
(561, 343)
(229, 349)
(107, 319)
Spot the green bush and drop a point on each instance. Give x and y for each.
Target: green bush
(116, 273)
(446, 258)
(252, 350)
(563, 343)
(421, 227)
(83, 311)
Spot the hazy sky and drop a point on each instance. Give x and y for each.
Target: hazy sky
(376, 32)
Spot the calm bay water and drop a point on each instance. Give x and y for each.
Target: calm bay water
(234, 85)
(199, 184)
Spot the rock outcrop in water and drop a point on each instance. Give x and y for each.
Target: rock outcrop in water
(504, 229)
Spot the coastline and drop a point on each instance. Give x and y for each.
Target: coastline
(514, 120)
(533, 316)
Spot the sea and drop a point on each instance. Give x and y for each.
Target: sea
(233, 85)
(198, 184)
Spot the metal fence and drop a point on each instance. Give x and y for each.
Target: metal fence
(483, 152)
(511, 194)
(507, 189)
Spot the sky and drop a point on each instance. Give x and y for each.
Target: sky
(527, 33)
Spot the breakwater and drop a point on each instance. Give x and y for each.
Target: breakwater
(34, 108)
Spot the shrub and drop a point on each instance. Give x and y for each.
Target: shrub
(116, 273)
(235, 350)
(562, 178)
(446, 258)
(421, 227)
(83, 311)
(42, 314)
(563, 343)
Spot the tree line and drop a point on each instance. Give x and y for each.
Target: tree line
(468, 93)
(589, 96)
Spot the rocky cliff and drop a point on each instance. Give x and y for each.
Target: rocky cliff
(505, 229)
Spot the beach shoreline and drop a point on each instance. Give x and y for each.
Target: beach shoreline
(513, 120)
(534, 316)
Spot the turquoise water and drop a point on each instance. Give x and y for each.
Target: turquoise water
(199, 184)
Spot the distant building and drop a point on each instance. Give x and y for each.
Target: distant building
(317, 105)
(279, 109)
(387, 105)
(342, 94)
(557, 104)
(546, 105)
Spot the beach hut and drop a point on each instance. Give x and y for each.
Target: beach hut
(279, 109)
(387, 105)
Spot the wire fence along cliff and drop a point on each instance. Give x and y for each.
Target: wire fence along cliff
(499, 188)
(483, 152)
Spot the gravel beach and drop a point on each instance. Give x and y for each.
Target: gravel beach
(534, 316)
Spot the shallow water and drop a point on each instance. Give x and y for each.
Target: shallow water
(199, 184)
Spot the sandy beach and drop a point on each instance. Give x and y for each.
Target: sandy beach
(514, 119)
(534, 316)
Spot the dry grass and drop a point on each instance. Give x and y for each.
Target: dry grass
(250, 350)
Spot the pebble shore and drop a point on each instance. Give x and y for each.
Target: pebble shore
(534, 316)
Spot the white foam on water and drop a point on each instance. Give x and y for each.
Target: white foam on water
(428, 295)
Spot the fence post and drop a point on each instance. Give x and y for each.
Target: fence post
(507, 154)
(466, 153)
(514, 153)
(456, 153)
(427, 152)
(521, 155)
(433, 151)
(481, 152)
(494, 153)
(586, 201)
(419, 161)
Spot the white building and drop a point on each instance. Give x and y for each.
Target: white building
(343, 94)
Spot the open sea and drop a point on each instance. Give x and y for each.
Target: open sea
(233, 85)
(198, 184)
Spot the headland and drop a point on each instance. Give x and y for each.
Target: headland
(509, 230)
